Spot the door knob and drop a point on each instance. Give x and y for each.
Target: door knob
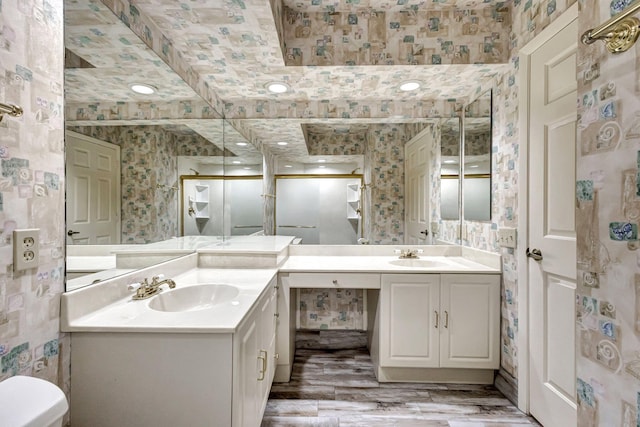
(425, 232)
(71, 232)
(536, 254)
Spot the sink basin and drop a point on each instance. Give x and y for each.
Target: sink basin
(419, 263)
(192, 298)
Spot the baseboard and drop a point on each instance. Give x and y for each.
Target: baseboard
(507, 385)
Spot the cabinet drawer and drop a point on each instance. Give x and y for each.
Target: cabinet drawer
(332, 280)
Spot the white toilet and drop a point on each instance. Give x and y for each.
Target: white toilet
(31, 402)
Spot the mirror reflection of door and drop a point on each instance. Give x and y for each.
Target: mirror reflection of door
(93, 191)
(417, 185)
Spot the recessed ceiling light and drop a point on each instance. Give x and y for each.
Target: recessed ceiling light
(277, 87)
(288, 166)
(282, 143)
(236, 162)
(473, 166)
(247, 168)
(142, 88)
(241, 144)
(322, 166)
(450, 162)
(321, 160)
(408, 86)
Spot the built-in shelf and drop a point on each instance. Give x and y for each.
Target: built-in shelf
(202, 202)
(353, 201)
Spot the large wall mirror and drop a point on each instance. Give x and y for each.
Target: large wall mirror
(477, 159)
(476, 182)
(133, 127)
(180, 169)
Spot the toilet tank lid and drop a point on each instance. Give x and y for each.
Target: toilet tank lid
(30, 402)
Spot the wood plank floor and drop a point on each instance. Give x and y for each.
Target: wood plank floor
(331, 388)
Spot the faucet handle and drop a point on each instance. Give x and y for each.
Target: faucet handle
(157, 278)
(134, 286)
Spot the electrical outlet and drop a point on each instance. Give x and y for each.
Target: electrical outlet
(507, 237)
(26, 253)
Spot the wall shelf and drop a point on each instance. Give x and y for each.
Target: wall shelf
(202, 202)
(353, 202)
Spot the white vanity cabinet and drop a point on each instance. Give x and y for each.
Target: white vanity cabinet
(150, 379)
(440, 321)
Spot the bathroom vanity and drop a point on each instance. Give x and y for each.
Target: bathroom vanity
(206, 352)
(432, 319)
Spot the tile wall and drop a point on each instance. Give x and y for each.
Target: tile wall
(32, 189)
(608, 211)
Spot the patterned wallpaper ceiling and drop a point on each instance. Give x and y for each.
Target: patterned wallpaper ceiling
(342, 59)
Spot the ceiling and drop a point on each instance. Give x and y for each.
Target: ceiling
(343, 61)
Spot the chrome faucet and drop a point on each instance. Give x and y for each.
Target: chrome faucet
(408, 253)
(145, 289)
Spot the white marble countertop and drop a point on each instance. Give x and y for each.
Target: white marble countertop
(127, 315)
(383, 264)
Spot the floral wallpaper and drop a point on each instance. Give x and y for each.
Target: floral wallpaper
(409, 36)
(384, 176)
(608, 202)
(331, 309)
(32, 190)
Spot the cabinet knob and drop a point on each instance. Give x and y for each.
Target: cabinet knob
(276, 314)
(335, 282)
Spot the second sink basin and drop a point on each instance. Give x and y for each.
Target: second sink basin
(192, 298)
(419, 263)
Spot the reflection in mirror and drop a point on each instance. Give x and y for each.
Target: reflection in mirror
(223, 206)
(103, 60)
(372, 147)
(477, 164)
(449, 185)
(320, 209)
(477, 159)
(222, 195)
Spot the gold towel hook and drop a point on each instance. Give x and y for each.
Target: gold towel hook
(618, 33)
(10, 109)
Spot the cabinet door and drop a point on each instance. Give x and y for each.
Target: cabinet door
(409, 320)
(470, 314)
(267, 345)
(246, 405)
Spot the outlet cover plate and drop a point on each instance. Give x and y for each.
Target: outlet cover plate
(26, 253)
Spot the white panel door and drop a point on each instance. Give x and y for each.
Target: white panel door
(410, 320)
(93, 191)
(417, 186)
(470, 312)
(552, 279)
